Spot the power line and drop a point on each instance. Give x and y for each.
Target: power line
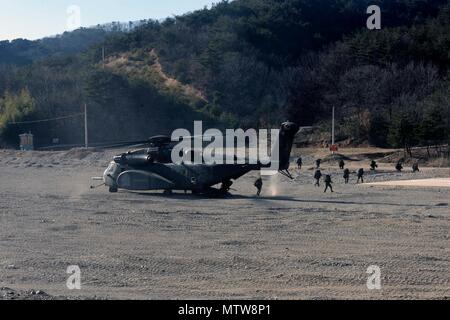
(47, 120)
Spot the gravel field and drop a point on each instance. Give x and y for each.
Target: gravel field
(295, 242)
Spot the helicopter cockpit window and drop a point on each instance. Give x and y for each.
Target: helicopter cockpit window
(112, 168)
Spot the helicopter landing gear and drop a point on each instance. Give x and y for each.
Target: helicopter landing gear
(168, 192)
(226, 186)
(113, 189)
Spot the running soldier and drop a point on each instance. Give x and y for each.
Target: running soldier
(317, 176)
(318, 163)
(360, 175)
(299, 163)
(259, 185)
(373, 165)
(346, 175)
(399, 166)
(328, 183)
(341, 164)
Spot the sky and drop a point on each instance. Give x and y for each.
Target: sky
(34, 19)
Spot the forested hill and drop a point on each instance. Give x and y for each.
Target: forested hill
(21, 52)
(247, 63)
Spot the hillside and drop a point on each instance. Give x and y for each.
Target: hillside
(247, 63)
(21, 52)
(145, 66)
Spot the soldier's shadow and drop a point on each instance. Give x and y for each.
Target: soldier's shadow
(292, 199)
(262, 199)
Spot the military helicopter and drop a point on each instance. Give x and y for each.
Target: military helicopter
(151, 168)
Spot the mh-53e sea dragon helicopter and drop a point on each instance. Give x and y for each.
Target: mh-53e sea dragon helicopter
(152, 168)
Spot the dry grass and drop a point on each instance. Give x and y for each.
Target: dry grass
(147, 67)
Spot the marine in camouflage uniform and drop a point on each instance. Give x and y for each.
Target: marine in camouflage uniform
(259, 185)
(317, 176)
(373, 165)
(346, 175)
(399, 166)
(328, 183)
(360, 175)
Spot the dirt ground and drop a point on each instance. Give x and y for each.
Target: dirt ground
(295, 242)
(431, 183)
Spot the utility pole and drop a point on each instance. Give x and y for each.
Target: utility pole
(86, 138)
(333, 130)
(103, 56)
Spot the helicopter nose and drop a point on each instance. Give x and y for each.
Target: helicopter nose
(107, 179)
(111, 173)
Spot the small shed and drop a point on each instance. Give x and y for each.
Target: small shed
(26, 142)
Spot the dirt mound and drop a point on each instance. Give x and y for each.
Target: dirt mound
(337, 157)
(79, 153)
(418, 155)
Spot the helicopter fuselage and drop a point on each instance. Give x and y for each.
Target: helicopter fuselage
(153, 169)
(169, 176)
